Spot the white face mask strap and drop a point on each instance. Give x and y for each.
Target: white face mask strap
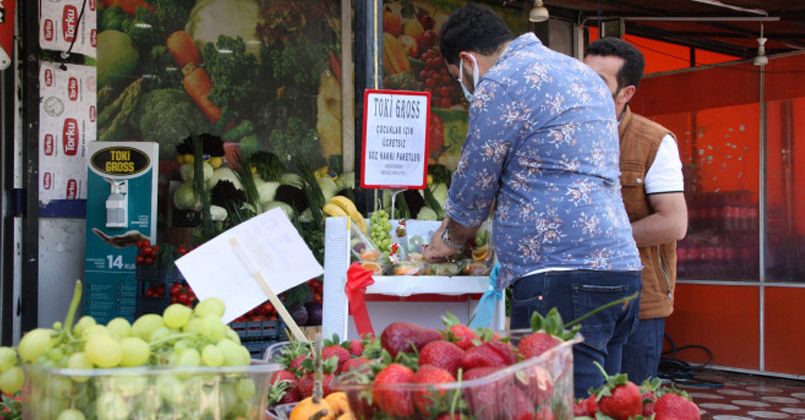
(475, 71)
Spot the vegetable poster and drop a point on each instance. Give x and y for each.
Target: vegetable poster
(67, 23)
(260, 74)
(67, 115)
(412, 61)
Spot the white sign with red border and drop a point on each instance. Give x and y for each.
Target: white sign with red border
(395, 139)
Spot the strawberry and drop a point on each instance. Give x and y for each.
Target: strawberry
(428, 374)
(592, 405)
(306, 382)
(283, 387)
(623, 400)
(483, 398)
(447, 416)
(400, 336)
(336, 351)
(545, 413)
(457, 332)
(356, 348)
(536, 343)
(537, 384)
(649, 399)
(673, 406)
(490, 354)
(296, 364)
(442, 354)
(516, 405)
(388, 397)
(580, 409)
(355, 363)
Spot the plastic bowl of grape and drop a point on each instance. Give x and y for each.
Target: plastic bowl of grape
(235, 392)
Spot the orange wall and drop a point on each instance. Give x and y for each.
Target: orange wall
(725, 319)
(785, 330)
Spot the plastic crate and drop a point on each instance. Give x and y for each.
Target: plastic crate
(150, 276)
(258, 336)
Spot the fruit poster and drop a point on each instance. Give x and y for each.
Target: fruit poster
(67, 23)
(260, 74)
(412, 61)
(67, 115)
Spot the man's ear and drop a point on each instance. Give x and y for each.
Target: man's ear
(626, 94)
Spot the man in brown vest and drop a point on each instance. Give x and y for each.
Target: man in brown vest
(652, 188)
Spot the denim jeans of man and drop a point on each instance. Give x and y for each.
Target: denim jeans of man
(575, 293)
(641, 354)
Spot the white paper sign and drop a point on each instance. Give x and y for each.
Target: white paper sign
(59, 26)
(395, 139)
(273, 247)
(67, 114)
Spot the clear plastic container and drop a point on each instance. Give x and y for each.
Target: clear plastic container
(149, 393)
(537, 388)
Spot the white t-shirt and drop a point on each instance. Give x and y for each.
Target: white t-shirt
(665, 173)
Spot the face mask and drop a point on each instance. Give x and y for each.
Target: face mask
(475, 77)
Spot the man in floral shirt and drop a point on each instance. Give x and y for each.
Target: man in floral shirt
(543, 148)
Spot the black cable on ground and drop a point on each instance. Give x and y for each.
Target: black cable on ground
(682, 373)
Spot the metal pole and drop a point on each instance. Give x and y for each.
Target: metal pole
(762, 214)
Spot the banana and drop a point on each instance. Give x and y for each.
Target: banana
(331, 210)
(349, 208)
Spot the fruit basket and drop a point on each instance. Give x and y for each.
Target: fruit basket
(147, 393)
(537, 388)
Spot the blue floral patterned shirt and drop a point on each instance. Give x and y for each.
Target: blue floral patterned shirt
(543, 145)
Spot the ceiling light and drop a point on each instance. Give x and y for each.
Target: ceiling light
(538, 13)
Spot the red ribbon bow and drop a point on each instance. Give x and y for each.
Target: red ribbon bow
(358, 279)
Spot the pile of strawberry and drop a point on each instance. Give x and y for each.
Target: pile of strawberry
(621, 399)
(404, 371)
(263, 312)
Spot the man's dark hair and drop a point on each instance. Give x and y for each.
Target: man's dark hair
(473, 28)
(632, 70)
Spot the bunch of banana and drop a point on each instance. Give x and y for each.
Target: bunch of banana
(340, 206)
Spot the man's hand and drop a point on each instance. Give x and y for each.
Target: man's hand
(438, 251)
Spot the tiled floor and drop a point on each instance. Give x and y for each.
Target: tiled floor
(733, 396)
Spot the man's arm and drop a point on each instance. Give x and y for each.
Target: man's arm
(669, 222)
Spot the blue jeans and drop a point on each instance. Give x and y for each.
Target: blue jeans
(641, 354)
(574, 293)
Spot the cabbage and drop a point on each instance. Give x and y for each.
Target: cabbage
(185, 198)
(285, 207)
(427, 213)
(328, 188)
(210, 19)
(346, 181)
(226, 174)
(293, 180)
(218, 213)
(187, 172)
(439, 193)
(267, 191)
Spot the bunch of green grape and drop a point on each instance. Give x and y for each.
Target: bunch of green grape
(11, 375)
(380, 230)
(66, 385)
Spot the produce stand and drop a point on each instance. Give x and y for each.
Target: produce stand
(418, 299)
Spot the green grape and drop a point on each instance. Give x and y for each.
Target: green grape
(210, 306)
(119, 328)
(160, 333)
(182, 345)
(8, 358)
(246, 356)
(212, 356)
(34, 344)
(50, 408)
(111, 406)
(171, 389)
(128, 385)
(212, 328)
(95, 329)
(145, 325)
(103, 351)
(176, 316)
(56, 326)
(231, 352)
(55, 354)
(193, 326)
(59, 387)
(82, 324)
(12, 380)
(71, 414)
(245, 389)
(189, 357)
(79, 361)
(232, 334)
(228, 397)
(135, 352)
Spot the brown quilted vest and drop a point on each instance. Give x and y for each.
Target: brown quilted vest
(640, 139)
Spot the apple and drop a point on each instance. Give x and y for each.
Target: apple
(410, 45)
(392, 22)
(428, 40)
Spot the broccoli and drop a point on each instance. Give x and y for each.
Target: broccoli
(299, 62)
(233, 73)
(167, 116)
(268, 165)
(297, 139)
(151, 27)
(161, 68)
